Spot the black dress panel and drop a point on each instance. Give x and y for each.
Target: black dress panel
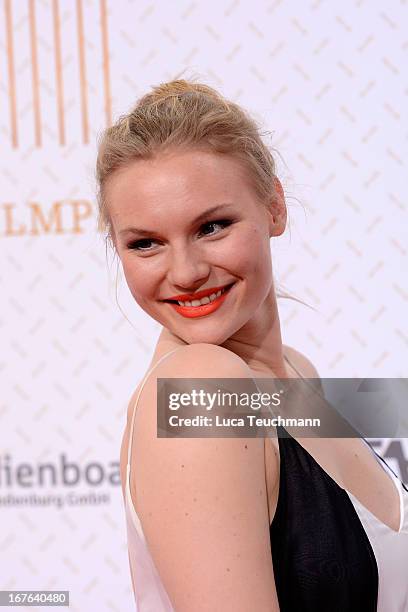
(322, 558)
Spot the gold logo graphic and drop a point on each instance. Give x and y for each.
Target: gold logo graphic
(12, 59)
(63, 217)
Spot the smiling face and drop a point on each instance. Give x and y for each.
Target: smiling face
(197, 226)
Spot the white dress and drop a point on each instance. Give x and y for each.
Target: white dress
(390, 547)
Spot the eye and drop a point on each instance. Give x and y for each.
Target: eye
(139, 245)
(220, 222)
(143, 244)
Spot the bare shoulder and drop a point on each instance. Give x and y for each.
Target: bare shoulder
(202, 501)
(302, 363)
(203, 360)
(199, 360)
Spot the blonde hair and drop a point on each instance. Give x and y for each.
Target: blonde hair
(183, 114)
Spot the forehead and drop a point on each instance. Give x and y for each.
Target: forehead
(174, 184)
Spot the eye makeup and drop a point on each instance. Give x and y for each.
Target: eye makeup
(137, 245)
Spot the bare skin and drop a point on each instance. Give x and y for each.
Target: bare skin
(175, 254)
(366, 479)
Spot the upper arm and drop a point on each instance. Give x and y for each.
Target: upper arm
(202, 502)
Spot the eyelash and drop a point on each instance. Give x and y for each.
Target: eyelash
(134, 245)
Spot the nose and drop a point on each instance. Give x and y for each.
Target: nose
(187, 269)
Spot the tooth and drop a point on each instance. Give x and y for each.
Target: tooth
(205, 300)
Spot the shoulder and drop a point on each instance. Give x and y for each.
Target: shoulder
(302, 363)
(160, 459)
(201, 501)
(192, 361)
(204, 360)
(199, 360)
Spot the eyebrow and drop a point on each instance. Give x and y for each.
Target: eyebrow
(201, 217)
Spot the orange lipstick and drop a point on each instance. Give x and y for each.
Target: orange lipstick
(191, 312)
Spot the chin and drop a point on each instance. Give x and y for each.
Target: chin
(196, 336)
(209, 336)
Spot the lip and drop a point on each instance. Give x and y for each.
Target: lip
(191, 312)
(184, 297)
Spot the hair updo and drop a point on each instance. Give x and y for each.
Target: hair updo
(183, 114)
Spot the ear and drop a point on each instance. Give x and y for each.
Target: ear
(277, 211)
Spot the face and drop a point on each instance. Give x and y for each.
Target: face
(187, 225)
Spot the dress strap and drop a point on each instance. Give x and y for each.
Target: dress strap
(141, 388)
(292, 365)
(394, 477)
(138, 396)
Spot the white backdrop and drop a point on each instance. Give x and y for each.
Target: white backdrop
(327, 82)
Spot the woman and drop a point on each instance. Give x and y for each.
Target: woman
(190, 200)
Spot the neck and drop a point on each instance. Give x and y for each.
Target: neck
(258, 342)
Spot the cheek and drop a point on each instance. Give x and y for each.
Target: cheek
(138, 279)
(252, 253)
(260, 275)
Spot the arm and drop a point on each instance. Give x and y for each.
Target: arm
(202, 501)
(351, 464)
